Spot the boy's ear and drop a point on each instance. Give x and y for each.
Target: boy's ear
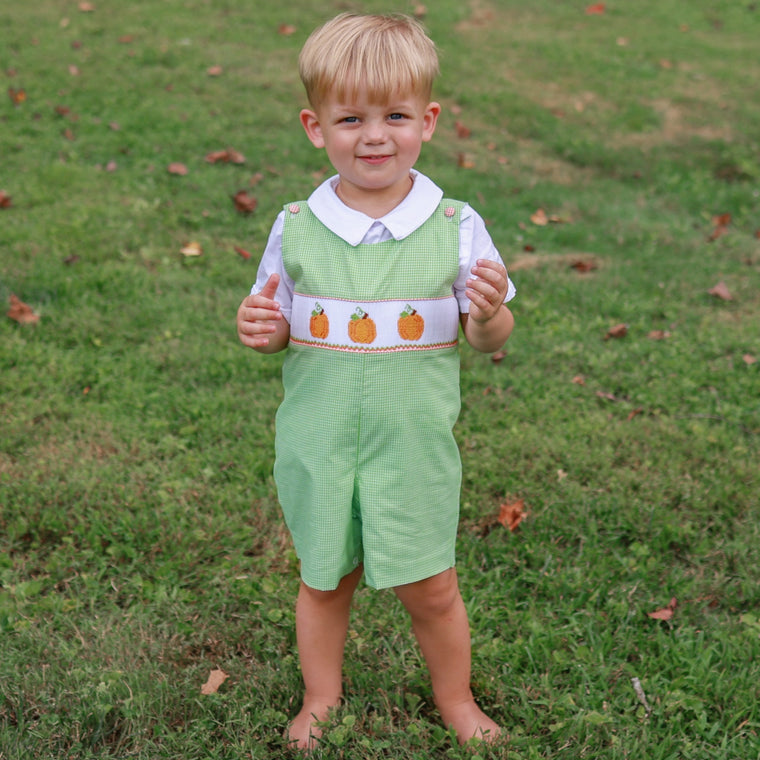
(312, 127)
(429, 120)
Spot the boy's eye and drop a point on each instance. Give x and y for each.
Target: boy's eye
(351, 119)
(396, 116)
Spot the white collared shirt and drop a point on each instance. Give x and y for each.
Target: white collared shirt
(356, 227)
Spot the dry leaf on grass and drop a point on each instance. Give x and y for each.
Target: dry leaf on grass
(720, 226)
(215, 679)
(244, 202)
(17, 96)
(597, 9)
(721, 291)
(228, 156)
(463, 131)
(242, 252)
(193, 248)
(539, 217)
(5, 200)
(21, 312)
(584, 265)
(664, 613)
(617, 331)
(512, 513)
(176, 168)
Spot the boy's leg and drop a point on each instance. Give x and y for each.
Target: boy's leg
(321, 627)
(439, 620)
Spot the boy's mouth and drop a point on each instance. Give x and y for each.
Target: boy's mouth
(375, 160)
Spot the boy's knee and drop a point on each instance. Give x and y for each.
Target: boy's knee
(431, 597)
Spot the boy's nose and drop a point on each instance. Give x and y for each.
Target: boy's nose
(374, 132)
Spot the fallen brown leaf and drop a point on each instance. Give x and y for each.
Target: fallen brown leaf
(420, 11)
(86, 7)
(5, 200)
(720, 226)
(634, 413)
(721, 220)
(584, 265)
(193, 248)
(579, 380)
(244, 203)
(215, 679)
(214, 71)
(749, 359)
(21, 312)
(242, 252)
(17, 96)
(177, 168)
(617, 331)
(721, 291)
(463, 131)
(228, 156)
(286, 30)
(498, 356)
(464, 161)
(664, 613)
(539, 217)
(512, 513)
(658, 335)
(597, 9)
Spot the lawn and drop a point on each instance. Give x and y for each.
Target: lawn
(145, 149)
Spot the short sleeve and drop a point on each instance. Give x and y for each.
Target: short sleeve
(474, 243)
(271, 263)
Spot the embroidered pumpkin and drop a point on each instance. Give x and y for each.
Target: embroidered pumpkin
(361, 329)
(410, 324)
(319, 324)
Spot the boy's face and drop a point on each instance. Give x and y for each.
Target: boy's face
(372, 145)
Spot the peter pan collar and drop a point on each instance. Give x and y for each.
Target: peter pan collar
(353, 226)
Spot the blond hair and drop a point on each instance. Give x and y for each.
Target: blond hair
(378, 55)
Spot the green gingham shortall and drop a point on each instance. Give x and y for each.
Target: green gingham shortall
(367, 468)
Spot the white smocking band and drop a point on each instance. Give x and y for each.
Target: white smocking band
(374, 326)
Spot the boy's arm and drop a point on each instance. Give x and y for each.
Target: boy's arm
(260, 323)
(490, 322)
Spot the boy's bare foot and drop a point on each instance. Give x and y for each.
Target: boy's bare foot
(303, 732)
(469, 722)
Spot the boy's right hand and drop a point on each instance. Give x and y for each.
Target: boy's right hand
(260, 323)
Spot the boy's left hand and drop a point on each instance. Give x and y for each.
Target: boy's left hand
(486, 290)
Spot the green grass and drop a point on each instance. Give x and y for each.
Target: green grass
(140, 539)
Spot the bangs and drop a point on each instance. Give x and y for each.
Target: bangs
(377, 56)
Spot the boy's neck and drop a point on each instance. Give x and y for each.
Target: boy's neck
(375, 204)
